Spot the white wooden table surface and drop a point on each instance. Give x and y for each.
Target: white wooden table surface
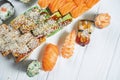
(100, 60)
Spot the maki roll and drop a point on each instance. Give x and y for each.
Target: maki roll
(85, 29)
(6, 10)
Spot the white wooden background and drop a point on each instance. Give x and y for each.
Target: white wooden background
(100, 60)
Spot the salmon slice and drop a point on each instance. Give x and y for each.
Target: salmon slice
(95, 2)
(90, 3)
(79, 2)
(83, 8)
(56, 4)
(67, 8)
(69, 0)
(79, 10)
(44, 3)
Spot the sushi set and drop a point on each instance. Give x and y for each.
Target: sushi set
(28, 30)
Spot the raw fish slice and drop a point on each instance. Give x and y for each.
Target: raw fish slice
(69, 0)
(44, 3)
(67, 8)
(56, 4)
(90, 3)
(79, 2)
(95, 2)
(78, 11)
(83, 8)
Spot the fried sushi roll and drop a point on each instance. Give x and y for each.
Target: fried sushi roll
(52, 25)
(30, 19)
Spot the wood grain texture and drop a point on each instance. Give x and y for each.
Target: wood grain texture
(100, 60)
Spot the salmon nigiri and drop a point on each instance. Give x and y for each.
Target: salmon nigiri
(50, 57)
(67, 8)
(56, 4)
(68, 46)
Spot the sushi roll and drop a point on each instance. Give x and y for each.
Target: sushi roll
(6, 10)
(85, 29)
(30, 19)
(33, 68)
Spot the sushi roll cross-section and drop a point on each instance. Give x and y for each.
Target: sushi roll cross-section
(6, 10)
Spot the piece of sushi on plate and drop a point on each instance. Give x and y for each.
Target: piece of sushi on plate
(6, 10)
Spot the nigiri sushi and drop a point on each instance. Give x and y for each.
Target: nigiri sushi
(6, 10)
(50, 57)
(67, 49)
